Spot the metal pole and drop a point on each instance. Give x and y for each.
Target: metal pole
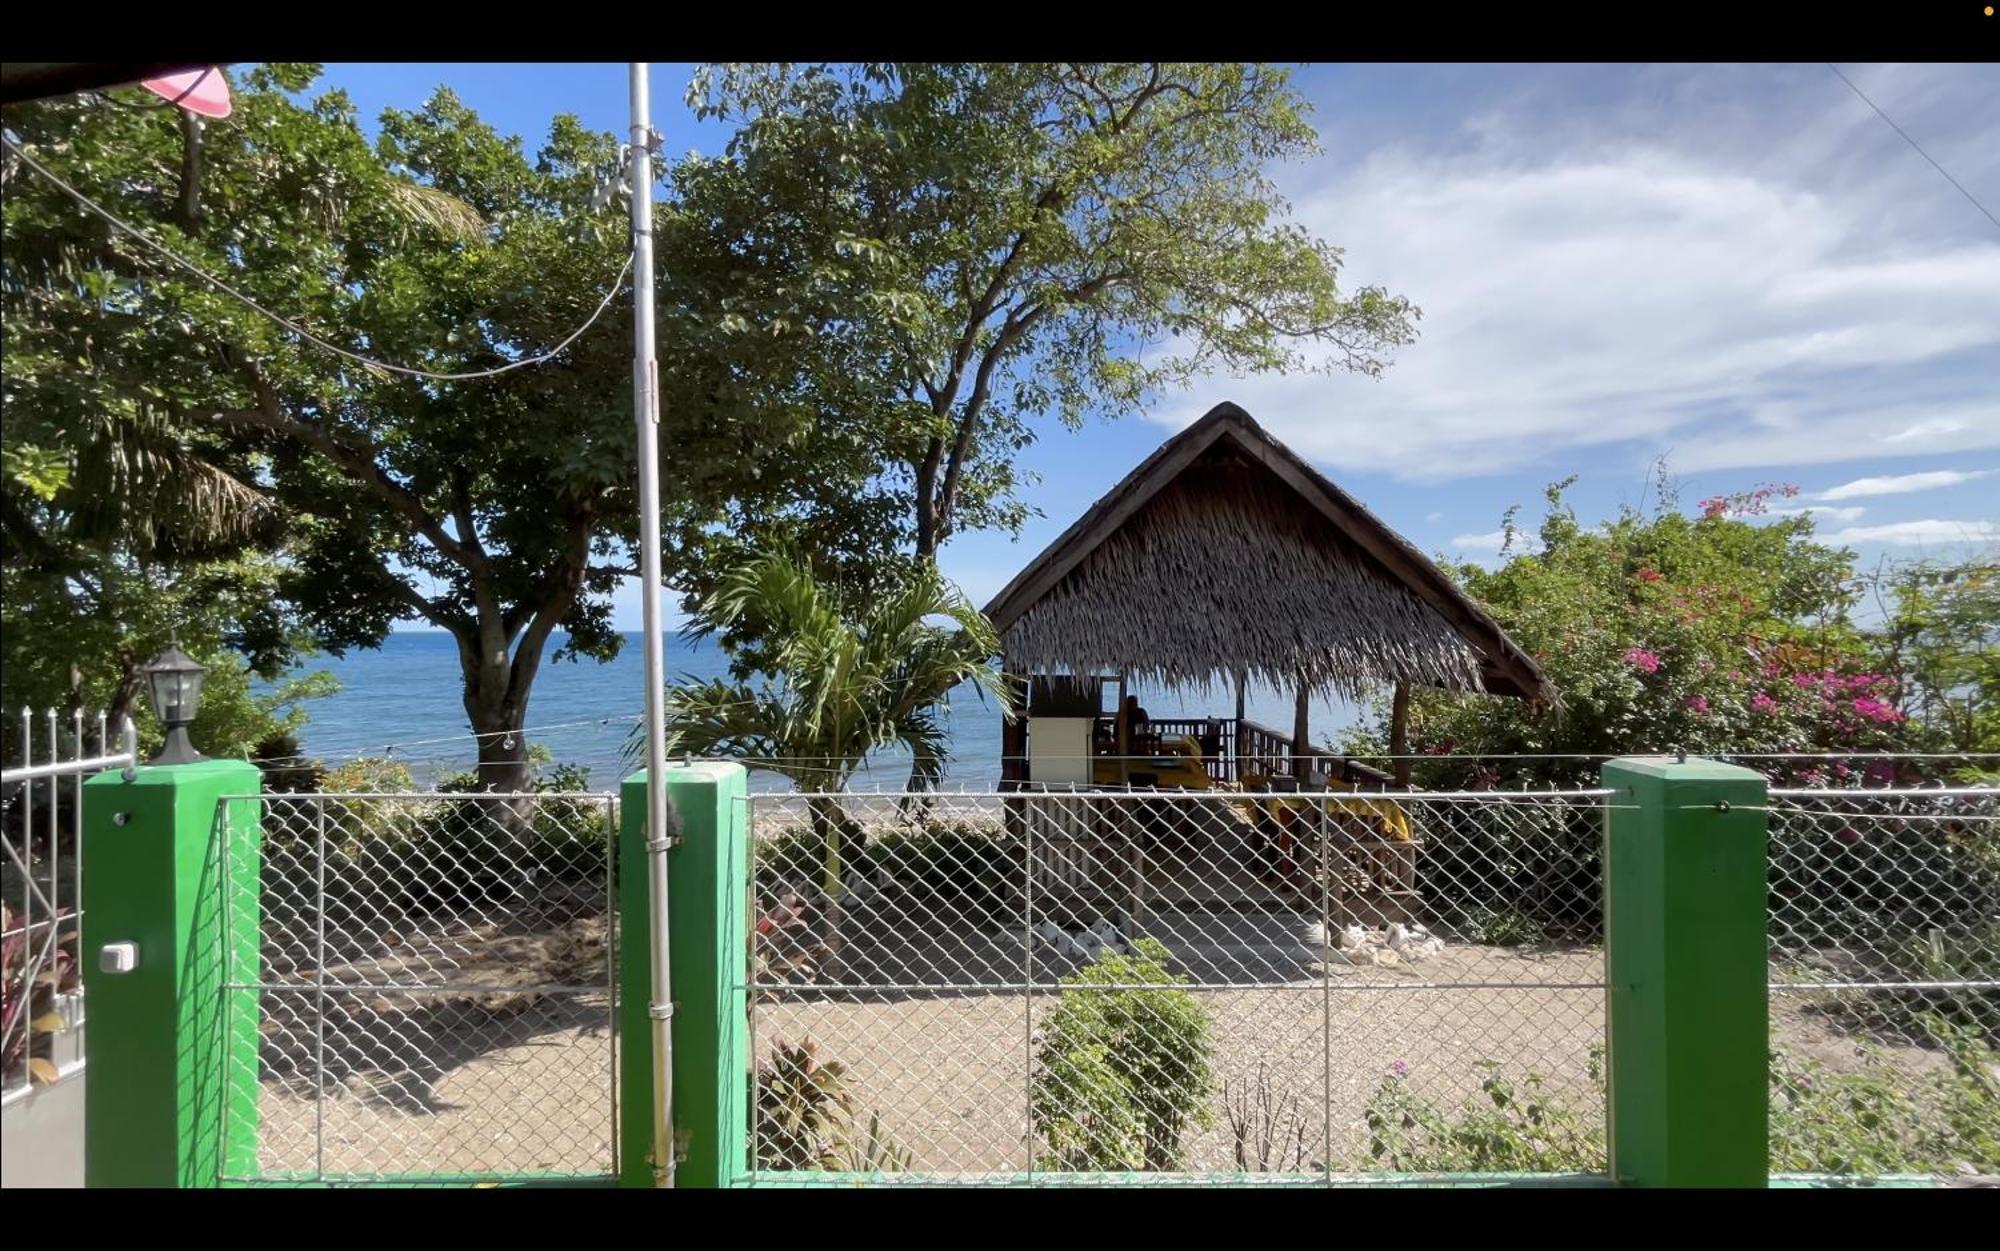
(646, 403)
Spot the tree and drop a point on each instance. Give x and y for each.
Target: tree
(847, 677)
(497, 508)
(1940, 638)
(962, 247)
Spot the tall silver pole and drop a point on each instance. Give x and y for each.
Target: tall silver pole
(646, 403)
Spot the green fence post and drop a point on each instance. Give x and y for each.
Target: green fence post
(708, 890)
(1685, 953)
(169, 1105)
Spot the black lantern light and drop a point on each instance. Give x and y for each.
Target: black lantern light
(175, 681)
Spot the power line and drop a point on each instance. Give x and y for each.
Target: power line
(1913, 143)
(616, 284)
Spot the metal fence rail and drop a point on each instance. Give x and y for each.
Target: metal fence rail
(994, 987)
(1885, 978)
(41, 890)
(435, 986)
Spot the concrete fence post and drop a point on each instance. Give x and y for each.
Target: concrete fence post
(1685, 960)
(170, 888)
(709, 930)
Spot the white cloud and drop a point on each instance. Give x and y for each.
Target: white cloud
(1737, 286)
(1820, 510)
(1493, 541)
(1936, 428)
(1433, 516)
(1901, 484)
(1917, 533)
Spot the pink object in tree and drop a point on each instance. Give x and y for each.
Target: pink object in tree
(203, 91)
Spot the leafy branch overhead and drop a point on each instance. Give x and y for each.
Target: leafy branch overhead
(971, 246)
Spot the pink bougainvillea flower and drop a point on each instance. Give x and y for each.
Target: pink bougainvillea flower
(1698, 703)
(1876, 710)
(1763, 703)
(1641, 659)
(1651, 575)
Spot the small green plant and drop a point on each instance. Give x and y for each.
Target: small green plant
(1122, 1069)
(1507, 1127)
(805, 1117)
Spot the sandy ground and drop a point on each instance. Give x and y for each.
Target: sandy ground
(502, 1084)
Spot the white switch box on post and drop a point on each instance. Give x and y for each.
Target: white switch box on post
(118, 957)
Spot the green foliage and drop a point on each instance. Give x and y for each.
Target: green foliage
(1501, 927)
(1961, 954)
(1878, 1118)
(1941, 639)
(1121, 1075)
(846, 678)
(1726, 632)
(1506, 1128)
(965, 247)
(150, 411)
(805, 1117)
(77, 635)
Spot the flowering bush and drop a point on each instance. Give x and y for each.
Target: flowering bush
(1712, 634)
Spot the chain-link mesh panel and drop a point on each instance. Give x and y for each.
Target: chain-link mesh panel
(435, 982)
(1885, 980)
(977, 987)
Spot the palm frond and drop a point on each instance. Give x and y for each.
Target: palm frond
(437, 210)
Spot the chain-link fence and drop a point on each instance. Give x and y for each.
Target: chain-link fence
(1885, 980)
(986, 987)
(434, 989)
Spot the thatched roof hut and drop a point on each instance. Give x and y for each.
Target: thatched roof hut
(1225, 554)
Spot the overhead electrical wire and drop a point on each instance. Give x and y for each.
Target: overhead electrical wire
(1974, 200)
(617, 283)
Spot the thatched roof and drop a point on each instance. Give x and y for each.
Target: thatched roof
(1224, 553)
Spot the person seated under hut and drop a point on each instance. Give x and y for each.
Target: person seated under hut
(1140, 727)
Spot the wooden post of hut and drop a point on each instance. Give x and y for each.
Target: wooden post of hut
(1236, 744)
(1301, 761)
(1399, 732)
(1014, 735)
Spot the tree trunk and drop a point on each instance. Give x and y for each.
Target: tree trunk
(503, 752)
(829, 822)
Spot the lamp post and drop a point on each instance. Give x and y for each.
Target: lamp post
(174, 681)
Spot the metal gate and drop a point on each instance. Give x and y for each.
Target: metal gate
(433, 993)
(1010, 988)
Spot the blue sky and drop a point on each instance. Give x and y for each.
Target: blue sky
(1740, 268)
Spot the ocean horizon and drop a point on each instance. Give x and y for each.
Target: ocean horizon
(404, 701)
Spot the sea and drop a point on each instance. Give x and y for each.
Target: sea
(403, 701)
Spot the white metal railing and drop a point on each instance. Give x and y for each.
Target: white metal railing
(41, 890)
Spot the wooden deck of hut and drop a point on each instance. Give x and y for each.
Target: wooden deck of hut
(1225, 558)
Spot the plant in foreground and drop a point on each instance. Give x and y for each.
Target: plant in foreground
(1122, 1068)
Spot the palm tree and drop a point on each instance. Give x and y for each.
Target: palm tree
(842, 681)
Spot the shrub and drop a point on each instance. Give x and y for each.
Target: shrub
(805, 1118)
(1121, 1074)
(1879, 1119)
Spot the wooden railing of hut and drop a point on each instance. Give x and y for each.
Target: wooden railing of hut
(1232, 749)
